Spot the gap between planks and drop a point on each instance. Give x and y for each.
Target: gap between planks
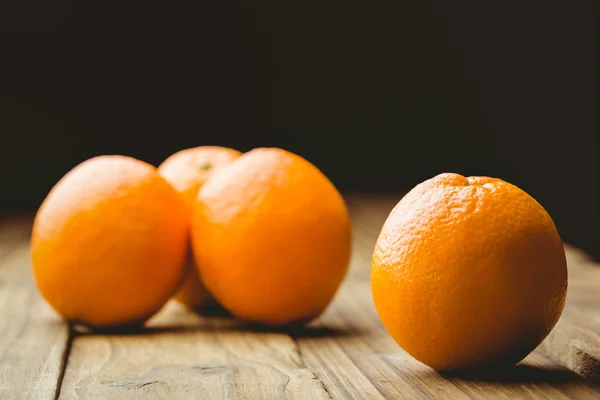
(64, 361)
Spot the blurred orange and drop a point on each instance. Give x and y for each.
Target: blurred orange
(186, 171)
(109, 241)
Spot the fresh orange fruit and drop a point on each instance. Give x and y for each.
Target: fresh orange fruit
(468, 272)
(271, 237)
(108, 243)
(186, 171)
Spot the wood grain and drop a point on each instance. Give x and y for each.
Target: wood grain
(33, 341)
(575, 341)
(345, 354)
(182, 356)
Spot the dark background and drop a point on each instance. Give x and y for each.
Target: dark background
(379, 95)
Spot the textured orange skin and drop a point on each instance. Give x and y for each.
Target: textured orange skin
(186, 171)
(271, 237)
(108, 243)
(468, 272)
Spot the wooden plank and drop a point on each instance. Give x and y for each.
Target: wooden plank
(182, 355)
(358, 359)
(345, 354)
(575, 341)
(33, 341)
(13, 231)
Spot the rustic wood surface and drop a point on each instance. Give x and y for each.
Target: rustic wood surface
(345, 354)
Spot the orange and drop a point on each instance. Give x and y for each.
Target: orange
(108, 243)
(271, 237)
(186, 171)
(468, 272)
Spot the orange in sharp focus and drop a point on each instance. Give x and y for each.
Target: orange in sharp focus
(468, 272)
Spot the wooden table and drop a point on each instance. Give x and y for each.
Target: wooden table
(346, 354)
